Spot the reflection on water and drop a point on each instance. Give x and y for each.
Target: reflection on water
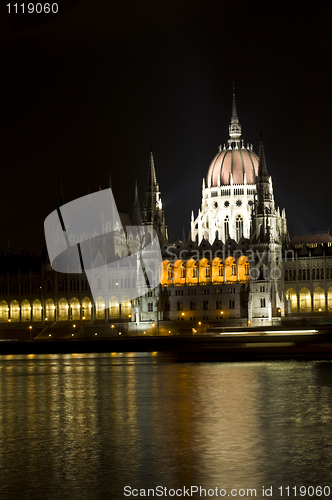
(86, 425)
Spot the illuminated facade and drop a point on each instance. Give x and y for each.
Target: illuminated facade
(237, 268)
(308, 277)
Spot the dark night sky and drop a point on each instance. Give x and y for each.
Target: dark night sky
(87, 93)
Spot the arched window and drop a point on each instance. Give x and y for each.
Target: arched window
(329, 299)
(300, 274)
(195, 271)
(291, 298)
(100, 308)
(308, 274)
(322, 274)
(36, 310)
(182, 271)
(4, 311)
(319, 299)
(125, 307)
(75, 309)
(169, 272)
(286, 275)
(63, 310)
(208, 270)
(26, 310)
(226, 227)
(220, 270)
(305, 300)
(239, 227)
(14, 311)
(263, 302)
(114, 309)
(86, 308)
(49, 310)
(314, 274)
(328, 273)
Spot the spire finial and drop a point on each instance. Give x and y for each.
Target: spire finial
(234, 112)
(235, 127)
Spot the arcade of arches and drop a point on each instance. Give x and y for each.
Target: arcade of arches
(306, 301)
(65, 310)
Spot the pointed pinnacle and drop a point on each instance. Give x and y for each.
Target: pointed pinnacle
(152, 180)
(262, 171)
(234, 112)
(136, 200)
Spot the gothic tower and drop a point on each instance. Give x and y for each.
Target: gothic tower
(267, 235)
(153, 214)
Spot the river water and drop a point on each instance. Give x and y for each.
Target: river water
(108, 426)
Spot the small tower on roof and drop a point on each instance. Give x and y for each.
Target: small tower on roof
(137, 218)
(153, 214)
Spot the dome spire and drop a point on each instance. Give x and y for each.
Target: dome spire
(235, 127)
(234, 113)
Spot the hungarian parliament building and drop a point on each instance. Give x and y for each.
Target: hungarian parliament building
(238, 267)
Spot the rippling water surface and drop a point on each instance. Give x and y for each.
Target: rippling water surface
(79, 426)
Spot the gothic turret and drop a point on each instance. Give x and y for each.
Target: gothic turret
(137, 219)
(266, 237)
(153, 214)
(264, 227)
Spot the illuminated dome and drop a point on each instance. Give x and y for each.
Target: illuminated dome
(234, 160)
(238, 161)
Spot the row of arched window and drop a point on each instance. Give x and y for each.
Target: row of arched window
(15, 288)
(218, 271)
(307, 274)
(113, 283)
